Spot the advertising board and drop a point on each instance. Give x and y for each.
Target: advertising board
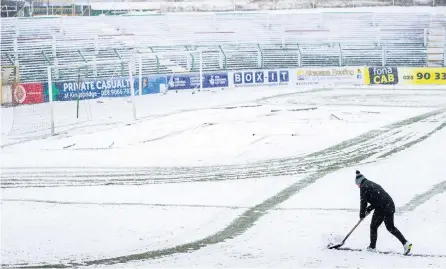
(185, 81)
(253, 78)
(405, 76)
(422, 75)
(381, 76)
(27, 93)
(329, 75)
(89, 89)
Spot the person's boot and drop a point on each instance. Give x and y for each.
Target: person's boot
(407, 247)
(369, 248)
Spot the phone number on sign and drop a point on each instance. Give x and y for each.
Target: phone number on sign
(115, 92)
(426, 76)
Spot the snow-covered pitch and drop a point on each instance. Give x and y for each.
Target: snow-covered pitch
(260, 177)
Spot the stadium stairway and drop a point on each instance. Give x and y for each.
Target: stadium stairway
(436, 40)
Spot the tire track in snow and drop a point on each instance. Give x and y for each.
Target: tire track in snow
(86, 128)
(249, 217)
(371, 142)
(122, 203)
(352, 99)
(396, 150)
(322, 163)
(410, 206)
(420, 199)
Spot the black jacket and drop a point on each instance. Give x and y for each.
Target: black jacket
(377, 197)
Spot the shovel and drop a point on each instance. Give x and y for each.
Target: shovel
(332, 245)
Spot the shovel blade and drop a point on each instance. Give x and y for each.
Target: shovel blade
(332, 246)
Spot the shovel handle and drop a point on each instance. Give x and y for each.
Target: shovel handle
(357, 224)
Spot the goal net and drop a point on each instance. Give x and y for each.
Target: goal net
(96, 95)
(12, 96)
(83, 95)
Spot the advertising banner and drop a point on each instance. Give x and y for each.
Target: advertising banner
(330, 75)
(381, 76)
(216, 80)
(422, 76)
(150, 84)
(188, 81)
(253, 78)
(182, 81)
(113, 87)
(89, 89)
(27, 93)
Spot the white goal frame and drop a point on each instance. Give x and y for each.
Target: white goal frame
(135, 58)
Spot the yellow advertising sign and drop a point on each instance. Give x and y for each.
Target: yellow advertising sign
(330, 75)
(422, 76)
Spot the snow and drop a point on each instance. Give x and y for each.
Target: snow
(272, 199)
(403, 184)
(295, 233)
(290, 239)
(227, 130)
(256, 177)
(67, 233)
(244, 193)
(117, 220)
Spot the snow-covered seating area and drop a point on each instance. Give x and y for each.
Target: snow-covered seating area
(240, 5)
(231, 40)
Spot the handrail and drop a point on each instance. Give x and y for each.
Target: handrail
(158, 65)
(340, 55)
(85, 60)
(122, 63)
(193, 62)
(261, 56)
(47, 59)
(299, 53)
(10, 58)
(225, 59)
(82, 56)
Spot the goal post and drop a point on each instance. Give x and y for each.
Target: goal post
(91, 83)
(70, 86)
(75, 96)
(173, 64)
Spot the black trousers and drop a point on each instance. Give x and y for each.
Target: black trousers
(377, 219)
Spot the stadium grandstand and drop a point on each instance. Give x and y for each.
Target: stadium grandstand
(229, 40)
(25, 8)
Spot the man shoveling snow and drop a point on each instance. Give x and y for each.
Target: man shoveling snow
(384, 207)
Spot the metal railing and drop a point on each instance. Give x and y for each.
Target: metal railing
(222, 57)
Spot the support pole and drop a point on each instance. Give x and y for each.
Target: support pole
(140, 75)
(50, 99)
(132, 89)
(201, 71)
(78, 95)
